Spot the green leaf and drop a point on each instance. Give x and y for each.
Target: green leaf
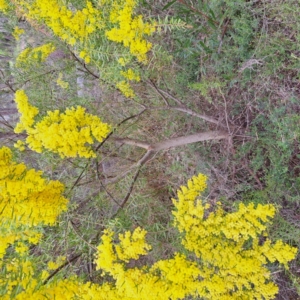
(169, 4)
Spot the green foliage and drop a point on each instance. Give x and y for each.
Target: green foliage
(274, 154)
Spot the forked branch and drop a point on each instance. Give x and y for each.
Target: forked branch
(153, 148)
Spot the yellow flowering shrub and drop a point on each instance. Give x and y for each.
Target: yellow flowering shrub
(125, 88)
(26, 195)
(129, 29)
(131, 75)
(105, 21)
(27, 201)
(227, 258)
(69, 133)
(28, 112)
(73, 26)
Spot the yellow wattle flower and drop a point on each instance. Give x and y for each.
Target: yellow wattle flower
(70, 133)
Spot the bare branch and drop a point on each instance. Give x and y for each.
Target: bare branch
(153, 85)
(117, 207)
(132, 142)
(193, 138)
(154, 148)
(61, 267)
(171, 97)
(203, 117)
(174, 142)
(182, 107)
(80, 236)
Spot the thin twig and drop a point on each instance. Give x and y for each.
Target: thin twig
(80, 176)
(183, 108)
(145, 158)
(100, 145)
(109, 194)
(83, 64)
(83, 203)
(124, 201)
(132, 142)
(152, 84)
(61, 267)
(179, 102)
(118, 125)
(254, 176)
(226, 114)
(79, 235)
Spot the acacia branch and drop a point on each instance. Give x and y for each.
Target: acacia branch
(61, 267)
(174, 142)
(189, 139)
(131, 142)
(181, 107)
(118, 207)
(152, 149)
(200, 116)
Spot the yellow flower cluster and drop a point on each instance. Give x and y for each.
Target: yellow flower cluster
(70, 26)
(3, 6)
(125, 88)
(37, 54)
(27, 111)
(17, 32)
(83, 54)
(131, 75)
(26, 201)
(129, 29)
(54, 265)
(63, 84)
(115, 20)
(220, 240)
(131, 246)
(66, 289)
(26, 196)
(67, 134)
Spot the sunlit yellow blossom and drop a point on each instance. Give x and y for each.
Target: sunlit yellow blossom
(3, 6)
(122, 61)
(83, 54)
(27, 111)
(73, 26)
(26, 197)
(115, 20)
(52, 265)
(17, 32)
(21, 248)
(132, 245)
(129, 29)
(20, 145)
(131, 75)
(61, 82)
(126, 89)
(33, 55)
(69, 133)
